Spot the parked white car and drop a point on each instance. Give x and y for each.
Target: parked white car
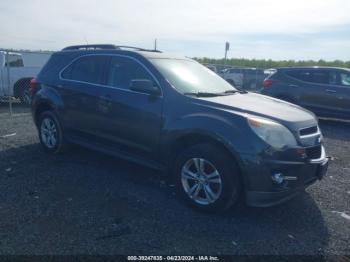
(233, 75)
(19, 70)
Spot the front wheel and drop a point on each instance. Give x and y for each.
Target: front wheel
(50, 133)
(207, 178)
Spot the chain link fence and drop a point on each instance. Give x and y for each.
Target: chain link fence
(17, 68)
(247, 78)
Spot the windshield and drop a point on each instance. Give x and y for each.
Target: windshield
(188, 76)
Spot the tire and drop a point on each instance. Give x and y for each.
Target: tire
(25, 97)
(23, 93)
(225, 184)
(51, 133)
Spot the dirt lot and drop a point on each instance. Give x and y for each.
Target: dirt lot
(84, 202)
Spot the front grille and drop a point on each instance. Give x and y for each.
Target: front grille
(314, 152)
(308, 131)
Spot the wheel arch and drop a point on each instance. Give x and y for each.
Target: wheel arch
(185, 141)
(40, 108)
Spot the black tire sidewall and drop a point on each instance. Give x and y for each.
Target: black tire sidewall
(231, 184)
(22, 89)
(60, 141)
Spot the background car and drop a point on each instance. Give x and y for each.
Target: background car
(323, 90)
(233, 75)
(252, 78)
(20, 68)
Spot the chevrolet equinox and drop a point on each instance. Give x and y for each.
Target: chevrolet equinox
(171, 113)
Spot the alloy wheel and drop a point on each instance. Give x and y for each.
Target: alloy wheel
(48, 133)
(201, 181)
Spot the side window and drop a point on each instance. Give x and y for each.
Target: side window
(14, 60)
(302, 75)
(122, 70)
(320, 77)
(345, 79)
(87, 69)
(333, 78)
(236, 71)
(312, 76)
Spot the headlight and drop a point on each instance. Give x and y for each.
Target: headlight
(273, 133)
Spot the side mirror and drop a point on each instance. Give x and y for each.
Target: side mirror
(144, 86)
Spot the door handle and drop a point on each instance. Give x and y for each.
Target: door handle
(330, 91)
(291, 85)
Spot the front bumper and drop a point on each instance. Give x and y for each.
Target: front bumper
(261, 190)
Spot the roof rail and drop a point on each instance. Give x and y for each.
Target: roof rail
(106, 46)
(86, 47)
(137, 48)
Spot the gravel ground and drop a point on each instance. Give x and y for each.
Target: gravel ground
(84, 202)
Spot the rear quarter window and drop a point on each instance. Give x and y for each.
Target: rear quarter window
(88, 69)
(311, 76)
(302, 75)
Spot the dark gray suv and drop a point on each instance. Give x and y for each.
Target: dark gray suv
(171, 113)
(323, 90)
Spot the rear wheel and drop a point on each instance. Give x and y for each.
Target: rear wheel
(206, 178)
(25, 97)
(50, 133)
(23, 92)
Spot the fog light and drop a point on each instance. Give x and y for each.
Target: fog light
(278, 178)
(301, 152)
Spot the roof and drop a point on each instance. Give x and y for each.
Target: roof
(110, 49)
(309, 67)
(151, 55)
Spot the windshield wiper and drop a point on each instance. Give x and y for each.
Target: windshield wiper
(233, 91)
(203, 94)
(209, 94)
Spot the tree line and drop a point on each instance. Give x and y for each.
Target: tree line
(265, 64)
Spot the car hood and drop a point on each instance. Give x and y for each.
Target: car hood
(293, 116)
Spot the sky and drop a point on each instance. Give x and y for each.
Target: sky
(261, 29)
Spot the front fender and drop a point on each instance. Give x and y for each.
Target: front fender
(230, 132)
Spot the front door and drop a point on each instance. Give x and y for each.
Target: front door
(131, 120)
(339, 91)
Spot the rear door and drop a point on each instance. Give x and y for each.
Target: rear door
(80, 90)
(312, 85)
